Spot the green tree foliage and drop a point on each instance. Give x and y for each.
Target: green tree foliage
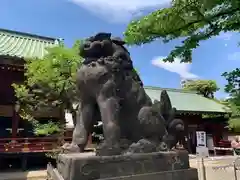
(49, 84)
(191, 20)
(207, 88)
(233, 85)
(233, 88)
(234, 121)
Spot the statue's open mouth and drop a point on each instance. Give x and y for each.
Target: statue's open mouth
(89, 60)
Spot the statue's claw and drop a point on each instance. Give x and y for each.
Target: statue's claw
(70, 148)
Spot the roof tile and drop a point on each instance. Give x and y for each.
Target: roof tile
(24, 45)
(187, 101)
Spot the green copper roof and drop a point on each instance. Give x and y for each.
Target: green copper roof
(24, 45)
(186, 101)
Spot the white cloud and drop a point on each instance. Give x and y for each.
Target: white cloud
(183, 69)
(225, 36)
(221, 95)
(234, 56)
(120, 10)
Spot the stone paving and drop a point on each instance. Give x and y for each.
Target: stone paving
(217, 168)
(28, 175)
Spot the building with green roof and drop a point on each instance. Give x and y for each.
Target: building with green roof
(24, 45)
(188, 101)
(191, 107)
(15, 47)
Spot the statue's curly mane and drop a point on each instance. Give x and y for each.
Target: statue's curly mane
(117, 66)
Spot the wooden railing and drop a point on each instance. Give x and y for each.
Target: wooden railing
(39, 144)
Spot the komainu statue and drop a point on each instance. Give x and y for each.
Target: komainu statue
(111, 91)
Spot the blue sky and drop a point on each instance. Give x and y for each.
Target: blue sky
(77, 19)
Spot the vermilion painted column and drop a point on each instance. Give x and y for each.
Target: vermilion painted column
(15, 121)
(14, 124)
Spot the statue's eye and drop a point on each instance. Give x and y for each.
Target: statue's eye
(86, 45)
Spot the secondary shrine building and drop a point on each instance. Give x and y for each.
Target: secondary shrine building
(16, 135)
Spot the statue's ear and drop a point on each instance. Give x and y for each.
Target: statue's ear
(118, 41)
(102, 36)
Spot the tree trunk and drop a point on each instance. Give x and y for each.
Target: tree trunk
(62, 125)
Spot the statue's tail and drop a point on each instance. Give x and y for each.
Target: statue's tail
(173, 125)
(166, 109)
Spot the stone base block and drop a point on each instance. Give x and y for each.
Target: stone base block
(184, 174)
(172, 165)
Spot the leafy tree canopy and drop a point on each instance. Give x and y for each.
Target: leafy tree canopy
(233, 85)
(207, 88)
(49, 84)
(233, 88)
(193, 20)
(234, 121)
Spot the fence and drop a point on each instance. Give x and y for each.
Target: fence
(18, 145)
(227, 168)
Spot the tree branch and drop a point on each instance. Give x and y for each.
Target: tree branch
(220, 14)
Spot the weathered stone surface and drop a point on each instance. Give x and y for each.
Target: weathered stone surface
(110, 90)
(183, 174)
(86, 166)
(137, 133)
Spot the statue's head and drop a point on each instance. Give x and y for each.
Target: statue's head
(100, 45)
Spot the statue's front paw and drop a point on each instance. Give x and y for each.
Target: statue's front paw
(170, 140)
(142, 146)
(70, 148)
(108, 150)
(162, 147)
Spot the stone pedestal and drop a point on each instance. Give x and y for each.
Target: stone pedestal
(159, 165)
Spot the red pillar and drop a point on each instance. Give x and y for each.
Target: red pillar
(15, 121)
